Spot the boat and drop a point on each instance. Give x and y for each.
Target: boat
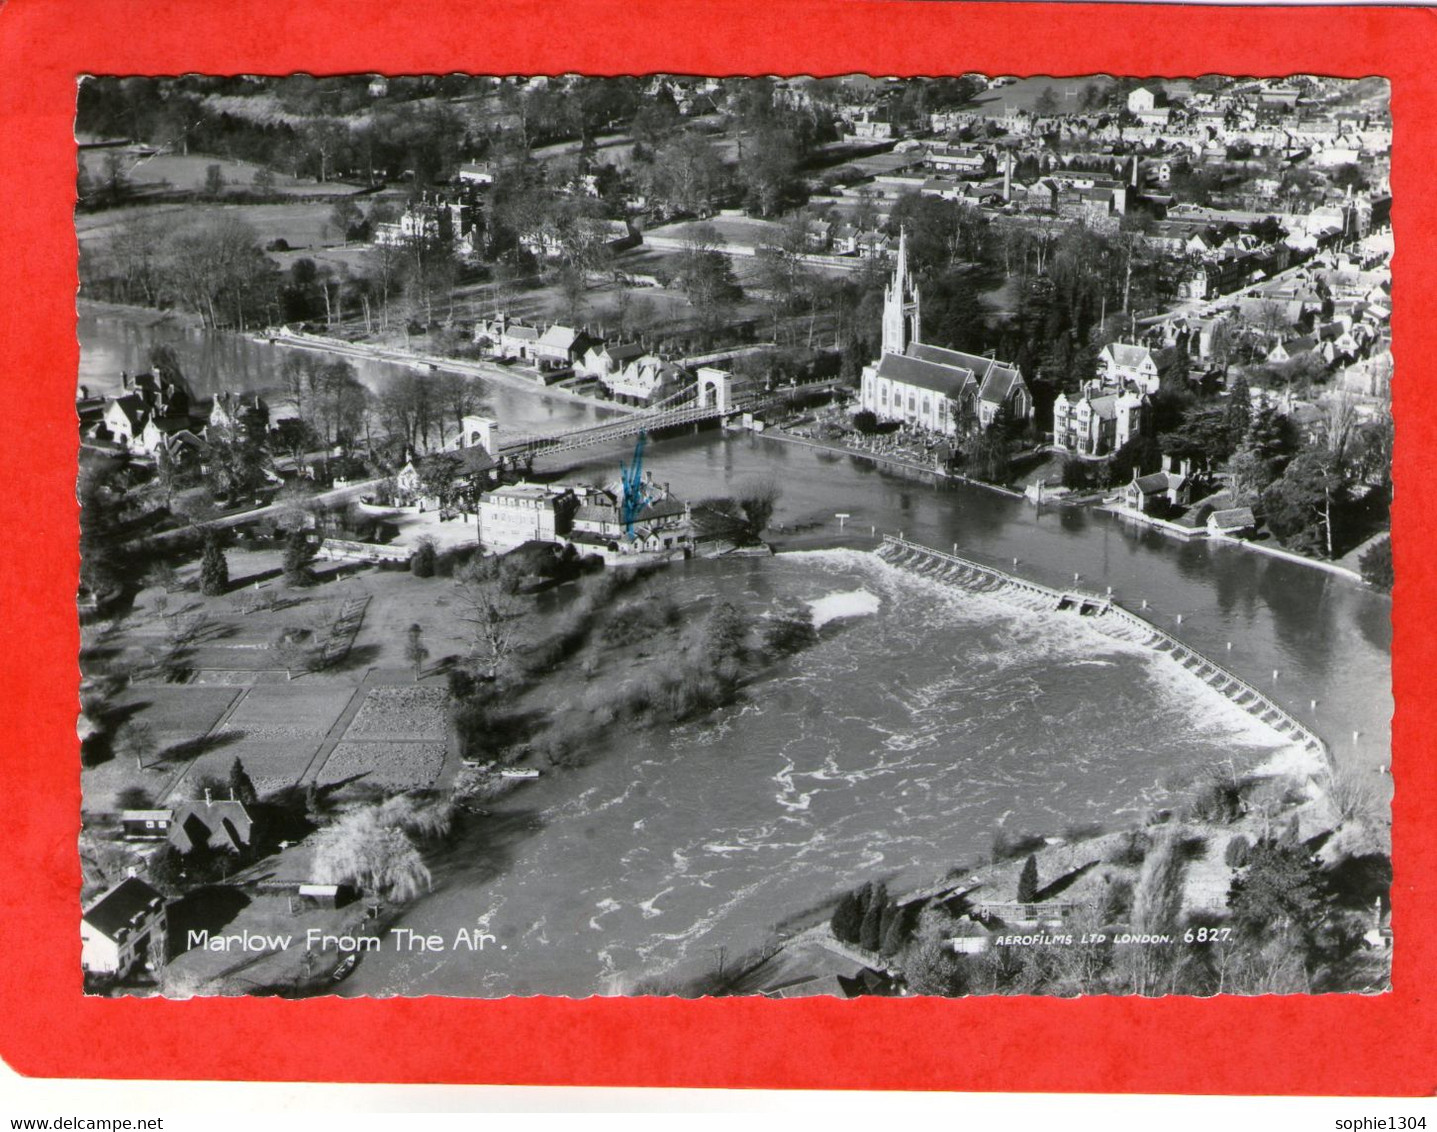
(345, 969)
(518, 772)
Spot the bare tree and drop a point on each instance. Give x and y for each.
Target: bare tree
(414, 651)
(135, 740)
(492, 609)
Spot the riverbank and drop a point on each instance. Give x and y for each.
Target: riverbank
(1194, 534)
(884, 458)
(402, 356)
(146, 316)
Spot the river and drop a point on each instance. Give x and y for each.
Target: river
(113, 340)
(895, 748)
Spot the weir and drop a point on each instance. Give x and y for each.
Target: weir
(1103, 614)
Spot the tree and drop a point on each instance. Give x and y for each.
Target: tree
(1376, 565)
(705, 274)
(263, 180)
(1046, 104)
(217, 270)
(134, 739)
(371, 849)
(725, 635)
(214, 180)
(115, 183)
(425, 552)
(1204, 435)
(1280, 892)
(414, 651)
(1237, 413)
(439, 476)
(932, 968)
(870, 932)
(293, 646)
(847, 918)
(490, 607)
(241, 788)
(757, 499)
(1298, 507)
(214, 569)
(298, 553)
(1028, 881)
(1269, 443)
(895, 932)
(346, 219)
(767, 168)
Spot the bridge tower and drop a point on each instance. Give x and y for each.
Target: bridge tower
(483, 431)
(715, 388)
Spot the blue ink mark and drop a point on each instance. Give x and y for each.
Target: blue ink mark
(631, 478)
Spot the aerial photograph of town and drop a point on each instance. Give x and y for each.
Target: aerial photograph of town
(770, 536)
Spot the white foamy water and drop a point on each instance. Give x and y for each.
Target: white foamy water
(892, 750)
(832, 607)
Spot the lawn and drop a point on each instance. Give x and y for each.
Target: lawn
(188, 173)
(1024, 94)
(300, 224)
(175, 713)
(275, 730)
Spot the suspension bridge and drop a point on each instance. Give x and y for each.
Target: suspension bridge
(690, 406)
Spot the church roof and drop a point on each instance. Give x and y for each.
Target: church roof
(998, 379)
(946, 379)
(1000, 383)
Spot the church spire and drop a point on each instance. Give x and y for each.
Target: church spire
(900, 304)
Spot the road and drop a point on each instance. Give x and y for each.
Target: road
(345, 494)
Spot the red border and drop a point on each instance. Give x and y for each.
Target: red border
(1294, 1045)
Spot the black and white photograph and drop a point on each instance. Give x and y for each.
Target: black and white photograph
(683, 536)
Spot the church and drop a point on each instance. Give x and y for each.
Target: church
(943, 390)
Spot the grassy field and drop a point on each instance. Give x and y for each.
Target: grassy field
(276, 725)
(180, 173)
(301, 224)
(1024, 94)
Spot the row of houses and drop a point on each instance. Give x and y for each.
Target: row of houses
(156, 415)
(629, 371)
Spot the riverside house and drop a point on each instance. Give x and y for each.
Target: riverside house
(124, 929)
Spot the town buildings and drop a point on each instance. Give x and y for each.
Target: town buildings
(524, 512)
(435, 219)
(1098, 421)
(1125, 363)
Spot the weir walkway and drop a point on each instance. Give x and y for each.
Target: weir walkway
(1107, 617)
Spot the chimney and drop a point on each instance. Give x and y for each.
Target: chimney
(1008, 177)
(131, 872)
(208, 799)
